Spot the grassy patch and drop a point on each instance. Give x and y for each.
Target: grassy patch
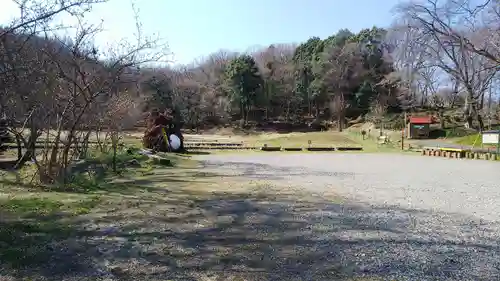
(458, 132)
(26, 243)
(328, 138)
(475, 140)
(41, 227)
(38, 221)
(42, 203)
(348, 138)
(33, 221)
(158, 213)
(371, 145)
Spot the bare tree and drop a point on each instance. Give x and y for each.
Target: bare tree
(409, 58)
(437, 103)
(427, 83)
(439, 27)
(72, 85)
(37, 15)
(379, 109)
(342, 70)
(454, 20)
(209, 75)
(275, 64)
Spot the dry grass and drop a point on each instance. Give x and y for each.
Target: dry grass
(329, 138)
(145, 200)
(349, 138)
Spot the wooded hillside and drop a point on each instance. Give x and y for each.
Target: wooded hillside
(437, 55)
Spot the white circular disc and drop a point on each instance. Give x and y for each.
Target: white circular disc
(175, 142)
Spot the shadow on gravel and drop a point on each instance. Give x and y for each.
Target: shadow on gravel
(268, 172)
(39, 240)
(251, 237)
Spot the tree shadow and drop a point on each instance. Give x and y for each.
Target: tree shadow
(265, 171)
(8, 165)
(39, 240)
(29, 244)
(319, 241)
(195, 152)
(253, 237)
(160, 179)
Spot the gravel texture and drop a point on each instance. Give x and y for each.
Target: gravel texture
(469, 187)
(406, 217)
(403, 218)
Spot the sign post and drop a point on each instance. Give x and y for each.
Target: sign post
(498, 143)
(403, 133)
(492, 137)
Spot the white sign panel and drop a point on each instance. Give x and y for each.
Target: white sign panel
(490, 138)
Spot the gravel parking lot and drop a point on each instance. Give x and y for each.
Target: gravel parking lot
(396, 217)
(463, 186)
(405, 217)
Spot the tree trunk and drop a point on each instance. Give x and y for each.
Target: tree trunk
(287, 115)
(55, 148)
(441, 118)
(473, 111)
(469, 119)
(456, 85)
(114, 141)
(478, 116)
(30, 150)
(242, 111)
(19, 148)
(341, 113)
(453, 100)
(247, 111)
(340, 122)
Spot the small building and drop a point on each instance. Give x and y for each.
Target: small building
(419, 127)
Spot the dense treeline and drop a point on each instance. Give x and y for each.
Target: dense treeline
(341, 76)
(427, 59)
(424, 60)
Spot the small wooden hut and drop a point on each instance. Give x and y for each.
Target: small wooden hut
(419, 127)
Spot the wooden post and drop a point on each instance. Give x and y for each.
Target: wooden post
(498, 143)
(403, 133)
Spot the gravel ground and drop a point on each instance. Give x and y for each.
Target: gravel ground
(403, 218)
(468, 187)
(423, 218)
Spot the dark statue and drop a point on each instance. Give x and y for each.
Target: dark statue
(159, 125)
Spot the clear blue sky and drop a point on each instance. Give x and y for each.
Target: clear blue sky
(195, 28)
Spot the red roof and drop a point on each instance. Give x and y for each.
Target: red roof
(421, 120)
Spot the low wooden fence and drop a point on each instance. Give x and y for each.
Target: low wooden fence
(459, 153)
